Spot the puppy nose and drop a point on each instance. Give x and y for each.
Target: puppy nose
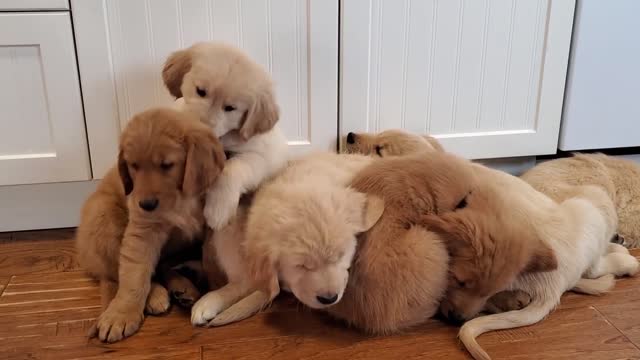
(148, 204)
(327, 299)
(455, 318)
(351, 138)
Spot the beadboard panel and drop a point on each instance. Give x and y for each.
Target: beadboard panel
(295, 40)
(463, 70)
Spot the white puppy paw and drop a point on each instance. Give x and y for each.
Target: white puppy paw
(625, 264)
(206, 309)
(220, 208)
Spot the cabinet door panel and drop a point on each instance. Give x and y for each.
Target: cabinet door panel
(486, 77)
(122, 45)
(42, 133)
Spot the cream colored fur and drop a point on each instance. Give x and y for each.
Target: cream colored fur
(299, 233)
(235, 97)
(619, 178)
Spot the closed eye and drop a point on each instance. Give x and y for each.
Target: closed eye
(166, 166)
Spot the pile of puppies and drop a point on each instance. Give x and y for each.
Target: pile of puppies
(383, 238)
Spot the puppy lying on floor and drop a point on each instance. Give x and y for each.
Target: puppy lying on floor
(620, 178)
(234, 96)
(298, 234)
(509, 236)
(147, 207)
(399, 272)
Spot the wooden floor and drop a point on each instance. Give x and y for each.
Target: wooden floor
(47, 305)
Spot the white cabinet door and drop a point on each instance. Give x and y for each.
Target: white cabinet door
(42, 133)
(122, 45)
(485, 76)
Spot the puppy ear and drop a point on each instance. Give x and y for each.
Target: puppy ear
(263, 271)
(261, 117)
(455, 231)
(125, 177)
(205, 161)
(362, 211)
(434, 142)
(175, 67)
(543, 259)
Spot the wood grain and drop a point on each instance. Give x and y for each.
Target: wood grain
(47, 307)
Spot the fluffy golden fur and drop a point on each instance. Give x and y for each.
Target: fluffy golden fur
(147, 207)
(298, 234)
(399, 273)
(619, 178)
(235, 97)
(390, 143)
(511, 237)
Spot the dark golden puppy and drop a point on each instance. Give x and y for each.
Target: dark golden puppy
(148, 206)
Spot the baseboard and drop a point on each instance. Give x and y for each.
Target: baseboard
(43, 206)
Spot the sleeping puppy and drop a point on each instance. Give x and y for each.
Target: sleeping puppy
(298, 234)
(620, 178)
(234, 96)
(147, 207)
(399, 272)
(509, 236)
(390, 143)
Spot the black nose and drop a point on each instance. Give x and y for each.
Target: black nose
(327, 299)
(454, 318)
(351, 138)
(148, 204)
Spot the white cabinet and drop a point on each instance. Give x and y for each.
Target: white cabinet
(122, 45)
(42, 134)
(601, 105)
(485, 76)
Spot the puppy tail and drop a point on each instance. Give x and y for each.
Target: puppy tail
(597, 286)
(255, 302)
(531, 314)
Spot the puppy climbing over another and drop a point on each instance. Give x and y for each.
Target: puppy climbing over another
(235, 97)
(147, 208)
(509, 236)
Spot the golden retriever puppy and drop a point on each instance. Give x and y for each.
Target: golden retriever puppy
(619, 178)
(147, 206)
(235, 97)
(298, 234)
(390, 143)
(509, 236)
(400, 270)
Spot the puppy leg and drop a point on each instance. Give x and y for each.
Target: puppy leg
(243, 309)
(616, 248)
(214, 302)
(182, 290)
(108, 289)
(507, 301)
(616, 263)
(158, 300)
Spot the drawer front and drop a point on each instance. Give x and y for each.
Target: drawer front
(33, 5)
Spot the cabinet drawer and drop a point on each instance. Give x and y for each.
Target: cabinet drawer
(42, 132)
(26, 5)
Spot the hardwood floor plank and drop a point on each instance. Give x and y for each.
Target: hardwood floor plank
(26, 255)
(625, 318)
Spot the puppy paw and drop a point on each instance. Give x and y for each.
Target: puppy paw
(616, 248)
(220, 208)
(117, 323)
(207, 308)
(626, 265)
(508, 301)
(158, 301)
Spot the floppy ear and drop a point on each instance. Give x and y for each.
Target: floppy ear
(543, 259)
(434, 142)
(363, 211)
(455, 231)
(176, 66)
(125, 177)
(263, 271)
(205, 161)
(261, 117)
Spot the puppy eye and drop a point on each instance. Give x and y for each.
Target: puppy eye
(229, 108)
(303, 267)
(166, 166)
(379, 150)
(462, 204)
(135, 166)
(201, 92)
(461, 284)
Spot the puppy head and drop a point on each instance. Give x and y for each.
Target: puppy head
(165, 155)
(488, 249)
(390, 143)
(224, 87)
(316, 231)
